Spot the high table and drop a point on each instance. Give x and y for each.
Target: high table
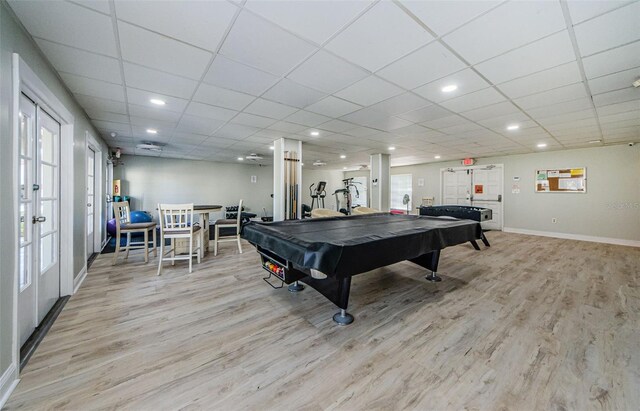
(203, 211)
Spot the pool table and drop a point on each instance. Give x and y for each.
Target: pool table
(325, 253)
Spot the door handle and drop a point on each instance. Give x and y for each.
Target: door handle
(88, 204)
(38, 219)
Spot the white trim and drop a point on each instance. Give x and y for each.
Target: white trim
(579, 237)
(77, 282)
(92, 143)
(8, 383)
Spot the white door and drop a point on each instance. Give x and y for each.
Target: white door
(91, 191)
(108, 209)
(456, 187)
(487, 193)
(39, 226)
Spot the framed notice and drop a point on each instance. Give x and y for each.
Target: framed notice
(561, 180)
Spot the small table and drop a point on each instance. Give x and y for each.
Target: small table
(203, 211)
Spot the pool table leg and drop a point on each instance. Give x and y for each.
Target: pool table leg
(343, 317)
(295, 287)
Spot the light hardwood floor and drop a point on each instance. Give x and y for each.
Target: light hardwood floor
(531, 323)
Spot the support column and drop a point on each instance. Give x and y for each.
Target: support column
(287, 196)
(380, 182)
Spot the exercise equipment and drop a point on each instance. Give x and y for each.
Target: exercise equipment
(345, 193)
(318, 195)
(136, 217)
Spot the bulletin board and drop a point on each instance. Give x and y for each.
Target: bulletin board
(561, 180)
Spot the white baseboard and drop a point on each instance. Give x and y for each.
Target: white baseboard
(580, 237)
(8, 383)
(77, 281)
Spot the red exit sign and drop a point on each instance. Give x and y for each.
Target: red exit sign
(468, 161)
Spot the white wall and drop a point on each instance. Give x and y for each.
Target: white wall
(153, 180)
(610, 208)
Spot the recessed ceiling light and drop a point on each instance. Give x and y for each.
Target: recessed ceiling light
(315, 133)
(344, 168)
(595, 141)
(436, 157)
(513, 127)
(152, 131)
(542, 145)
(301, 164)
(240, 158)
(392, 148)
(343, 156)
(157, 102)
(272, 148)
(449, 88)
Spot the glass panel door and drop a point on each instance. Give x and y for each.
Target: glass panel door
(91, 161)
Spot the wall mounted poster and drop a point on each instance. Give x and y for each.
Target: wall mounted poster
(562, 180)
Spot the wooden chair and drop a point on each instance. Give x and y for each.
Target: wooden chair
(228, 223)
(176, 222)
(125, 226)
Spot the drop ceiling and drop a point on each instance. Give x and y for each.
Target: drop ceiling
(366, 75)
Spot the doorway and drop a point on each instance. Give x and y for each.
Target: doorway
(91, 194)
(39, 215)
(478, 186)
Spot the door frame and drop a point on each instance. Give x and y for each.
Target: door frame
(92, 143)
(25, 80)
(474, 167)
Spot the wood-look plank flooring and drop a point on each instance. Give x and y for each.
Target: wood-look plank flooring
(531, 323)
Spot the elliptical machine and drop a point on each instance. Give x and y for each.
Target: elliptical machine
(318, 195)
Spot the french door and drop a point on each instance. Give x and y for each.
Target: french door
(91, 194)
(39, 209)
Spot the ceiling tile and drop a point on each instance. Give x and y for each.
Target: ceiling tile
(423, 66)
(293, 94)
(581, 10)
(610, 30)
(543, 54)
(264, 45)
(307, 118)
(614, 81)
(100, 104)
(221, 97)
(621, 58)
(157, 81)
(360, 131)
(201, 23)
(617, 108)
(108, 126)
(252, 120)
(505, 28)
(142, 97)
(336, 126)
(286, 127)
(98, 5)
(473, 100)
(235, 131)
(91, 87)
(442, 122)
(198, 125)
(107, 116)
(400, 104)
(80, 62)
(369, 91)
(333, 107)
(314, 20)
(442, 16)
(618, 96)
(557, 95)
(548, 117)
(492, 110)
(270, 109)
(327, 73)
(208, 111)
(425, 114)
(153, 113)
(218, 142)
(53, 22)
(560, 108)
(229, 74)
(363, 117)
(388, 123)
(466, 80)
(542, 81)
(153, 50)
(383, 34)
